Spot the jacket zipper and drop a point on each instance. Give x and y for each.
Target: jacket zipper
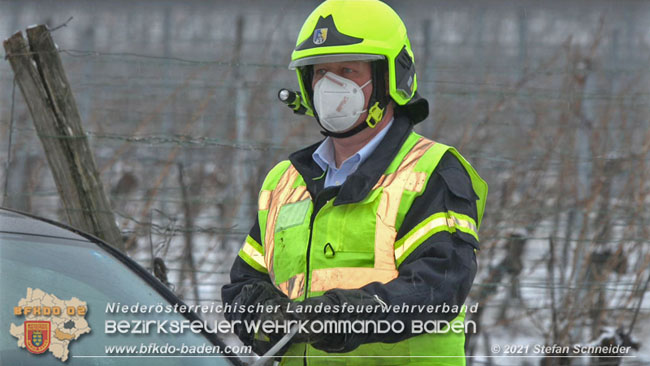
(317, 207)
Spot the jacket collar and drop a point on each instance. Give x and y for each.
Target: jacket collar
(357, 186)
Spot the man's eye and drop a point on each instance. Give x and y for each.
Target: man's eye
(321, 72)
(347, 71)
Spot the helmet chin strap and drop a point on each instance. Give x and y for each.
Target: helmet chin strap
(339, 135)
(377, 102)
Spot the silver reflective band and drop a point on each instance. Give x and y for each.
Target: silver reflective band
(339, 57)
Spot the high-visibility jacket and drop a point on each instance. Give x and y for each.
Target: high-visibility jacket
(308, 245)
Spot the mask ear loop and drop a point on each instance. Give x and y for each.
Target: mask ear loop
(377, 100)
(361, 88)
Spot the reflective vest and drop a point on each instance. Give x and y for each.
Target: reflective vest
(348, 246)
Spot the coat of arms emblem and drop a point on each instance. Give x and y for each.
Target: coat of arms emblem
(37, 336)
(320, 35)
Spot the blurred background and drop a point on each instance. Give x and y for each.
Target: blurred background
(547, 100)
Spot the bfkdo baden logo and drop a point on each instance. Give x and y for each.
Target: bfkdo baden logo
(50, 323)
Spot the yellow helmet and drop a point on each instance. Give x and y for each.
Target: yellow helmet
(361, 30)
(357, 30)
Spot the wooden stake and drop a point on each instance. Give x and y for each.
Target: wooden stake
(45, 87)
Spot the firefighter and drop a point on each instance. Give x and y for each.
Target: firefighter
(374, 216)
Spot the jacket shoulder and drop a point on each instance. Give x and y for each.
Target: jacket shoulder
(273, 176)
(433, 155)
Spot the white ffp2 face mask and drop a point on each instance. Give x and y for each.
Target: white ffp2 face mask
(338, 101)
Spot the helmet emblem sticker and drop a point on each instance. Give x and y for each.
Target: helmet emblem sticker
(320, 36)
(326, 34)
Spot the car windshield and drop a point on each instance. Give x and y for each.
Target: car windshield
(68, 269)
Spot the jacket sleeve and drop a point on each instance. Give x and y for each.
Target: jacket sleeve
(248, 267)
(439, 265)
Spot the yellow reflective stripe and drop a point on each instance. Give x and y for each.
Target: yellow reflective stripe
(253, 243)
(431, 225)
(442, 221)
(277, 198)
(348, 277)
(416, 184)
(284, 193)
(394, 186)
(293, 287)
(264, 200)
(464, 223)
(252, 254)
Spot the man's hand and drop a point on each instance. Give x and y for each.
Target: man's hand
(269, 296)
(334, 342)
(260, 292)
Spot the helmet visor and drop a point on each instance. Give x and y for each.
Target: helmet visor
(339, 57)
